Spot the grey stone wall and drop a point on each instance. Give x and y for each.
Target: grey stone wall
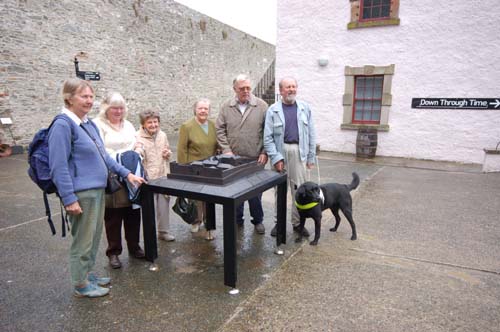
(157, 53)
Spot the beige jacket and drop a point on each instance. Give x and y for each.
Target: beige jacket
(242, 134)
(151, 149)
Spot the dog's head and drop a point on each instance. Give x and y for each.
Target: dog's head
(307, 196)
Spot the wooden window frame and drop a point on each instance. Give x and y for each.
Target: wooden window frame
(358, 22)
(348, 98)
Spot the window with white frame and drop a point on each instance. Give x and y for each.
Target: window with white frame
(367, 98)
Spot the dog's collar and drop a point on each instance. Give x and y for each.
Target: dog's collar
(307, 206)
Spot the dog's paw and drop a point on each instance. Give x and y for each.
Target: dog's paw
(313, 243)
(333, 229)
(298, 240)
(354, 237)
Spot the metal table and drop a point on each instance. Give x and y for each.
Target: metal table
(229, 196)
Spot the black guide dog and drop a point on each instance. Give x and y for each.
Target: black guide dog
(311, 199)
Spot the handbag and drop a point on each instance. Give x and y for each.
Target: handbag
(186, 210)
(113, 184)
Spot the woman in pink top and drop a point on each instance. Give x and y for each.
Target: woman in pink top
(152, 145)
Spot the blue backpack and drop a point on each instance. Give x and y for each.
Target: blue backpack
(39, 170)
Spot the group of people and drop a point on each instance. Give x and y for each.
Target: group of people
(82, 152)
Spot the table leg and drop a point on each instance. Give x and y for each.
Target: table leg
(149, 224)
(229, 216)
(281, 214)
(210, 213)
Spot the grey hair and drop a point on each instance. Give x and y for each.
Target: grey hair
(112, 99)
(287, 78)
(202, 100)
(239, 78)
(148, 114)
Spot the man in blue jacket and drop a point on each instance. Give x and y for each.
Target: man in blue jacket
(290, 140)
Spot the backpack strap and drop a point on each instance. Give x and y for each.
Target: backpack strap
(64, 220)
(47, 213)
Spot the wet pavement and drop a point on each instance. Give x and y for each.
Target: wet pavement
(426, 259)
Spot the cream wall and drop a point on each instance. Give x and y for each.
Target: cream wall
(438, 50)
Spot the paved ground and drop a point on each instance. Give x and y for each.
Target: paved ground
(426, 259)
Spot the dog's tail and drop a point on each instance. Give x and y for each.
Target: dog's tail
(355, 181)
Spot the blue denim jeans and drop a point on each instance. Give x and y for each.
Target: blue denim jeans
(256, 211)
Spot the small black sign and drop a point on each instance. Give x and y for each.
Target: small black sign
(457, 103)
(88, 75)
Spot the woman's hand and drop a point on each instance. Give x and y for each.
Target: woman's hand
(166, 153)
(135, 180)
(73, 208)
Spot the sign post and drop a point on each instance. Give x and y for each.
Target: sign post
(86, 75)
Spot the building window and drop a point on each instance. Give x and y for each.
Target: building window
(371, 13)
(367, 98)
(375, 9)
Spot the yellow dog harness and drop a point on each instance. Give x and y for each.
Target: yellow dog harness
(306, 206)
(309, 206)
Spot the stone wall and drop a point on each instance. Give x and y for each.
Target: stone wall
(157, 53)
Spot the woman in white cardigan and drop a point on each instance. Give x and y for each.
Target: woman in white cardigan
(118, 135)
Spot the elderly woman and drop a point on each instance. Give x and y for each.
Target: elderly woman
(152, 145)
(118, 135)
(79, 168)
(197, 141)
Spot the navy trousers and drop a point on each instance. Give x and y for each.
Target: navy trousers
(256, 210)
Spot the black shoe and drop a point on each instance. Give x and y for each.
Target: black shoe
(273, 231)
(304, 231)
(139, 253)
(260, 229)
(114, 262)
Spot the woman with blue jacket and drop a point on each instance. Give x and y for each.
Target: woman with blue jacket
(79, 168)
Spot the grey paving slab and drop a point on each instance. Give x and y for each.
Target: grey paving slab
(426, 259)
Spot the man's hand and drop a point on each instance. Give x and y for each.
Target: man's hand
(310, 165)
(262, 158)
(73, 208)
(280, 165)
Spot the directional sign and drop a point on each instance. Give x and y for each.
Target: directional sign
(88, 75)
(457, 103)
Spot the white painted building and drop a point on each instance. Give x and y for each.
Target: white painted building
(422, 49)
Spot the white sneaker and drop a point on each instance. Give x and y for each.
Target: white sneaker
(166, 237)
(195, 228)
